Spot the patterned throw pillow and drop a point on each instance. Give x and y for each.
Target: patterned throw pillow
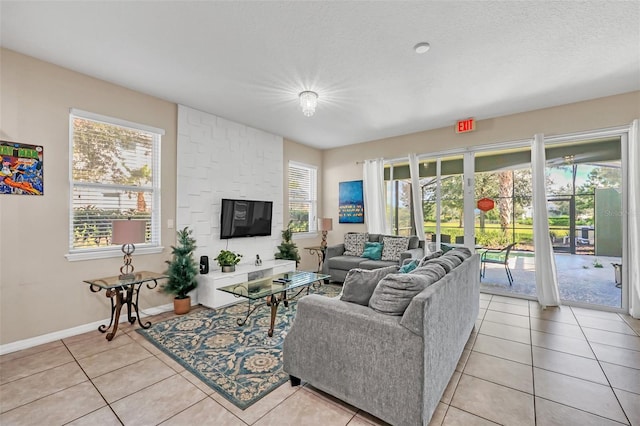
(393, 246)
(354, 243)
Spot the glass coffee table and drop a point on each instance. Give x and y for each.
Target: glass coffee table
(274, 290)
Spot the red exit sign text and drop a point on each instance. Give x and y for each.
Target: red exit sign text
(464, 126)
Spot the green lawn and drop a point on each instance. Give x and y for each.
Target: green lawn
(492, 235)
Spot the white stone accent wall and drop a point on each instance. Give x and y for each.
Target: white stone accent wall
(216, 159)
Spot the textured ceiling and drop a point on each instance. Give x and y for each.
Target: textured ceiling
(247, 61)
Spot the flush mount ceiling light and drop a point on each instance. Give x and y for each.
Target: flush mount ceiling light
(308, 102)
(421, 48)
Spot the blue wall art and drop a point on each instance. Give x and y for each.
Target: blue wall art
(351, 202)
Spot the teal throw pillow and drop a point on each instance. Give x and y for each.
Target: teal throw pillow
(445, 248)
(408, 267)
(372, 251)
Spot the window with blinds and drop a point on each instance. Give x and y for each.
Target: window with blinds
(115, 174)
(302, 197)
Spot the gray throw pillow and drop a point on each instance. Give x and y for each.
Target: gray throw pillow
(461, 252)
(430, 256)
(447, 262)
(433, 270)
(395, 291)
(360, 283)
(393, 246)
(354, 243)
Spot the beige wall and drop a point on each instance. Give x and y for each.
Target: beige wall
(340, 163)
(294, 151)
(40, 291)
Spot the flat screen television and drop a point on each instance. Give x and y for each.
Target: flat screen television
(245, 218)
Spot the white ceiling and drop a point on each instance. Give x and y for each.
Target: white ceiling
(247, 61)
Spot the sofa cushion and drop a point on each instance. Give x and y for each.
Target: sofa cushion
(374, 264)
(447, 262)
(432, 270)
(394, 292)
(372, 251)
(360, 283)
(393, 246)
(461, 252)
(344, 262)
(430, 256)
(354, 243)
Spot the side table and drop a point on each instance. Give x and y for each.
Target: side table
(320, 252)
(121, 292)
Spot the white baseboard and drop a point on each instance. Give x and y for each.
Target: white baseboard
(63, 334)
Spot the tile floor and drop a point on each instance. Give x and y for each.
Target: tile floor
(521, 366)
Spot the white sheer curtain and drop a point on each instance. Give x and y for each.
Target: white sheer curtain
(374, 204)
(633, 203)
(545, 264)
(416, 192)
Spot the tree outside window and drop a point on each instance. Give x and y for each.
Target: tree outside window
(115, 175)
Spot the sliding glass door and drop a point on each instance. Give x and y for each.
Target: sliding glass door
(504, 220)
(490, 191)
(584, 199)
(443, 199)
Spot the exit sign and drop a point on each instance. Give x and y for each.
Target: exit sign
(464, 126)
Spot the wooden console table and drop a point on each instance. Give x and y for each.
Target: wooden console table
(123, 292)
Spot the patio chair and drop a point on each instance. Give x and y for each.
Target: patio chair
(500, 257)
(444, 238)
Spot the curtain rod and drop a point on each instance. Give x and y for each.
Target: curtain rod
(388, 160)
(608, 131)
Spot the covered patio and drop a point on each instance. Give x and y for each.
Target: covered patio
(579, 279)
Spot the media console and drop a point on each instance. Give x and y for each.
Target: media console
(209, 296)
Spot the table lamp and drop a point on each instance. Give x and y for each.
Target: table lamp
(325, 225)
(128, 232)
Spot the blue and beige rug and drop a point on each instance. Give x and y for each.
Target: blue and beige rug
(241, 363)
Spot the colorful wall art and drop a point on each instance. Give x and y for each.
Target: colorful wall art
(21, 171)
(351, 202)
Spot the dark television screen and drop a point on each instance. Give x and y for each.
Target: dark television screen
(245, 218)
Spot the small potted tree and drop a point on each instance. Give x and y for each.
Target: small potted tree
(288, 249)
(228, 260)
(182, 272)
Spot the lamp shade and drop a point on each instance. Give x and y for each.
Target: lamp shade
(128, 231)
(325, 224)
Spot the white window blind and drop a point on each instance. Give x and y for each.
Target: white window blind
(115, 174)
(302, 197)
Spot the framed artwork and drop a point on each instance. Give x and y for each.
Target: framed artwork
(351, 202)
(21, 171)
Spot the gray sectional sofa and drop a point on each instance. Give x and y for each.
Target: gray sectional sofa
(394, 366)
(337, 263)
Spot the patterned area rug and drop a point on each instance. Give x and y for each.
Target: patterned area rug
(241, 363)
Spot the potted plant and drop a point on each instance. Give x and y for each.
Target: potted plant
(288, 249)
(182, 272)
(228, 260)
